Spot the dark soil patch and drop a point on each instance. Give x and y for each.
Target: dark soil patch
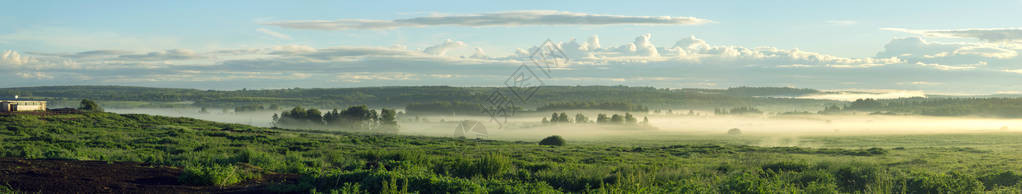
(68, 176)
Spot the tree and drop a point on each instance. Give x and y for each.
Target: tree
(617, 119)
(388, 120)
(645, 120)
(274, 121)
(554, 118)
(602, 118)
(581, 118)
(630, 119)
(90, 106)
(563, 118)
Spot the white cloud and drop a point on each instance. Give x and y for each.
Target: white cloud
(441, 49)
(986, 34)
(274, 34)
(986, 51)
(34, 75)
(366, 76)
(924, 83)
(172, 54)
(510, 18)
(10, 57)
(1018, 71)
(945, 67)
(479, 53)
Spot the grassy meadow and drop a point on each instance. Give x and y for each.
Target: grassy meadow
(339, 162)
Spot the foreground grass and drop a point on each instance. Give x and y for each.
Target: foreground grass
(224, 154)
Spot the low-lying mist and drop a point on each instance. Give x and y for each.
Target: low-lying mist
(774, 130)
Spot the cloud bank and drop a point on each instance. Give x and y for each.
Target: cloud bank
(510, 18)
(986, 34)
(687, 61)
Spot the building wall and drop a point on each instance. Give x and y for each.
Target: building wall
(19, 106)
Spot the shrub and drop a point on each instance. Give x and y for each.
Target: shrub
(555, 140)
(487, 166)
(954, 183)
(749, 183)
(855, 178)
(219, 175)
(1005, 178)
(734, 131)
(786, 166)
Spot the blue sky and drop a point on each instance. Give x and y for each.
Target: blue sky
(255, 44)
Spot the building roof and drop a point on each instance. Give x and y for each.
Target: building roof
(20, 99)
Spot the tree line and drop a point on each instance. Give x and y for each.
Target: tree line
(627, 118)
(616, 106)
(352, 118)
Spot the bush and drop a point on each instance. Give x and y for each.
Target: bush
(555, 140)
(1005, 178)
(786, 166)
(734, 131)
(487, 166)
(855, 178)
(219, 175)
(954, 183)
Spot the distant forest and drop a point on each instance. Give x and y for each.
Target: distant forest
(982, 107)
(401, 96)
(470, 100)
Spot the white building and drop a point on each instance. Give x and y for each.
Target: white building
(15, 105)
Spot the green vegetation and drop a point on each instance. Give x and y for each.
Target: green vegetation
(90, 106)
(224, 154)
(601, 118)
(615, 106)
(445, 108)
(737, 111)
(462, 100)
(353, 118)
(555, 140)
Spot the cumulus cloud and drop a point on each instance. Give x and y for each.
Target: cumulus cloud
(986, 34)
(949, 56)
(12, 60)
(274, 34)
(510, 18)
(689, 62)
(10, 57)
(441, 49)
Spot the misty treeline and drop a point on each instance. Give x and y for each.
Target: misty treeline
(627, 118)
(989, 107)
(466, 108)
(737, 111)
(393, 96)
(352, 118)
(616, 106)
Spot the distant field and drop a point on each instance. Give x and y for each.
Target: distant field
(211, 153)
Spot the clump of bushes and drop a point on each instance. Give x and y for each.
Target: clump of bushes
(734, 131)
(1005, 178)
(488, 166)
(216, 174)
(555, 140)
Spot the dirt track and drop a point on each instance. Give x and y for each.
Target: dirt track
(67, 176)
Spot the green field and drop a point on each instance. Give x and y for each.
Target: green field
(225, 154)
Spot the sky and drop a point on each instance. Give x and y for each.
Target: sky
(946, 47)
